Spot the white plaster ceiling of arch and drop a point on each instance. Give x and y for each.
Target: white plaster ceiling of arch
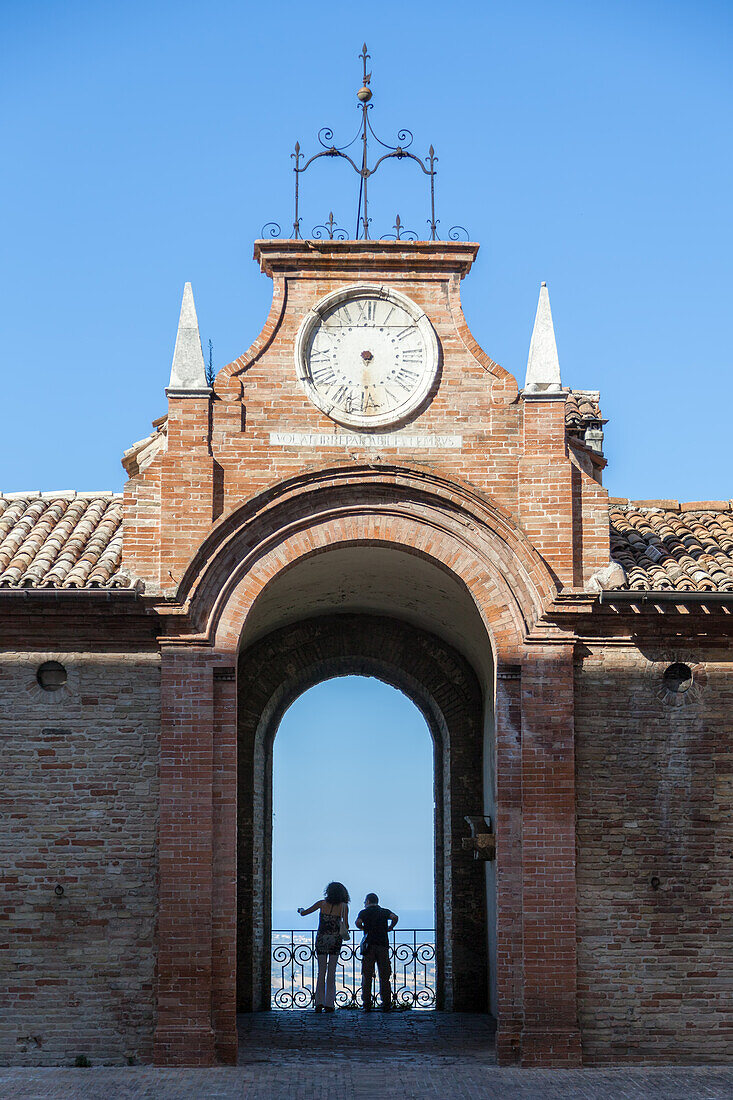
(379, 581)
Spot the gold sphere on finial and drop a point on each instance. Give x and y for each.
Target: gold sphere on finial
(365, 93)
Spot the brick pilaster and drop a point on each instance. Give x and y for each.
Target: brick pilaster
(508, 828)
(187, 485)
(550, 1035)
(545, 490)
(224, 921)
(592, 549)
(184, 1033)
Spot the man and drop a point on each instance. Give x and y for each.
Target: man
(376, 923)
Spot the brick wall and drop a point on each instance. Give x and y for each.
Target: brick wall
(655, 869)
(80, 808)
(210, 521)
(220, 455)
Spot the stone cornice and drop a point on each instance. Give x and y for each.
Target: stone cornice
(421, 259)
(623, 617)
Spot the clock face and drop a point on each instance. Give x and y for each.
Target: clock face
(367, 356)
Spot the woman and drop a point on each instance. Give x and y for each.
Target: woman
(333, 909)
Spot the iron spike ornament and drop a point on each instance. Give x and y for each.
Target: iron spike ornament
(330, 229)
(401, 151)
(400, 233)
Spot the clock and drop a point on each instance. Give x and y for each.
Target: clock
(367, 356)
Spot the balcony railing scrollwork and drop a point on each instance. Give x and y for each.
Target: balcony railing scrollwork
(294, 970)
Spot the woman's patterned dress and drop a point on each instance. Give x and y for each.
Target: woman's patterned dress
(328, 937)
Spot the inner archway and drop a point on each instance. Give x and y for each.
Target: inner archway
(277, 669)
(353, 800)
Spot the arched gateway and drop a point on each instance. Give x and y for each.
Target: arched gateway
(365, 491)
(291, 549)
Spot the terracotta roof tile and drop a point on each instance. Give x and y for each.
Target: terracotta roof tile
(61, 540)
(582, 407)
(142, 453)
(74, 540)
(665, 545)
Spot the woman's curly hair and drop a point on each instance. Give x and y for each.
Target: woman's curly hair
(336, 894)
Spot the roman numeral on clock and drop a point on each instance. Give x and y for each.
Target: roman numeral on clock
(342, 396)
(319, 356)
(406, 378)
(323, 374)
(412, 355)
(368, 404)
(367, 311)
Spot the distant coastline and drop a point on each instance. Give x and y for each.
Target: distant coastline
(409, 918)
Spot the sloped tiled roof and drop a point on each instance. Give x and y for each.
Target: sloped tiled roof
(665, 545)
(582, 407)
(74, 540)
(61, 540)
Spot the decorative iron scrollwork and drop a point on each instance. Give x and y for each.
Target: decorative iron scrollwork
(270, 229)
(335, 233)
(293, 970)
(400, 233)
(454, 233)
(400, 151)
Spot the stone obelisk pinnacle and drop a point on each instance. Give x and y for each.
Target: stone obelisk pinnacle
(188, 372)
(543, 366)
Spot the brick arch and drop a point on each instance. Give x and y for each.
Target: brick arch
(440, 519)
(460, 531)
(273, 672)
(493, 597)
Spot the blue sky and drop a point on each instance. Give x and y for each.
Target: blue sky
(146, 143)
(353, 800)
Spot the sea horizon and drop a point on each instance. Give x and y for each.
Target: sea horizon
(286, 919)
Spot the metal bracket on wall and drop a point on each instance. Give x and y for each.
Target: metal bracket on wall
(482, 841)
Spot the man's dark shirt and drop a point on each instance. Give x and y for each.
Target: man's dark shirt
(374, 920)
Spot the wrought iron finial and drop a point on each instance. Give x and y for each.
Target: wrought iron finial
(365, 93)
(334, 231)
(431, 159)
(400, 151)
(296, 156)
(400, 233)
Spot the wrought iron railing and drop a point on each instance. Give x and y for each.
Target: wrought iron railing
(294, 969)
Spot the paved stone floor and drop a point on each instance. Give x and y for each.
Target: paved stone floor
(350, 1034)
(349, 1056)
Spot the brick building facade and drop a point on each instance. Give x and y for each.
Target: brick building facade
(570, 653)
